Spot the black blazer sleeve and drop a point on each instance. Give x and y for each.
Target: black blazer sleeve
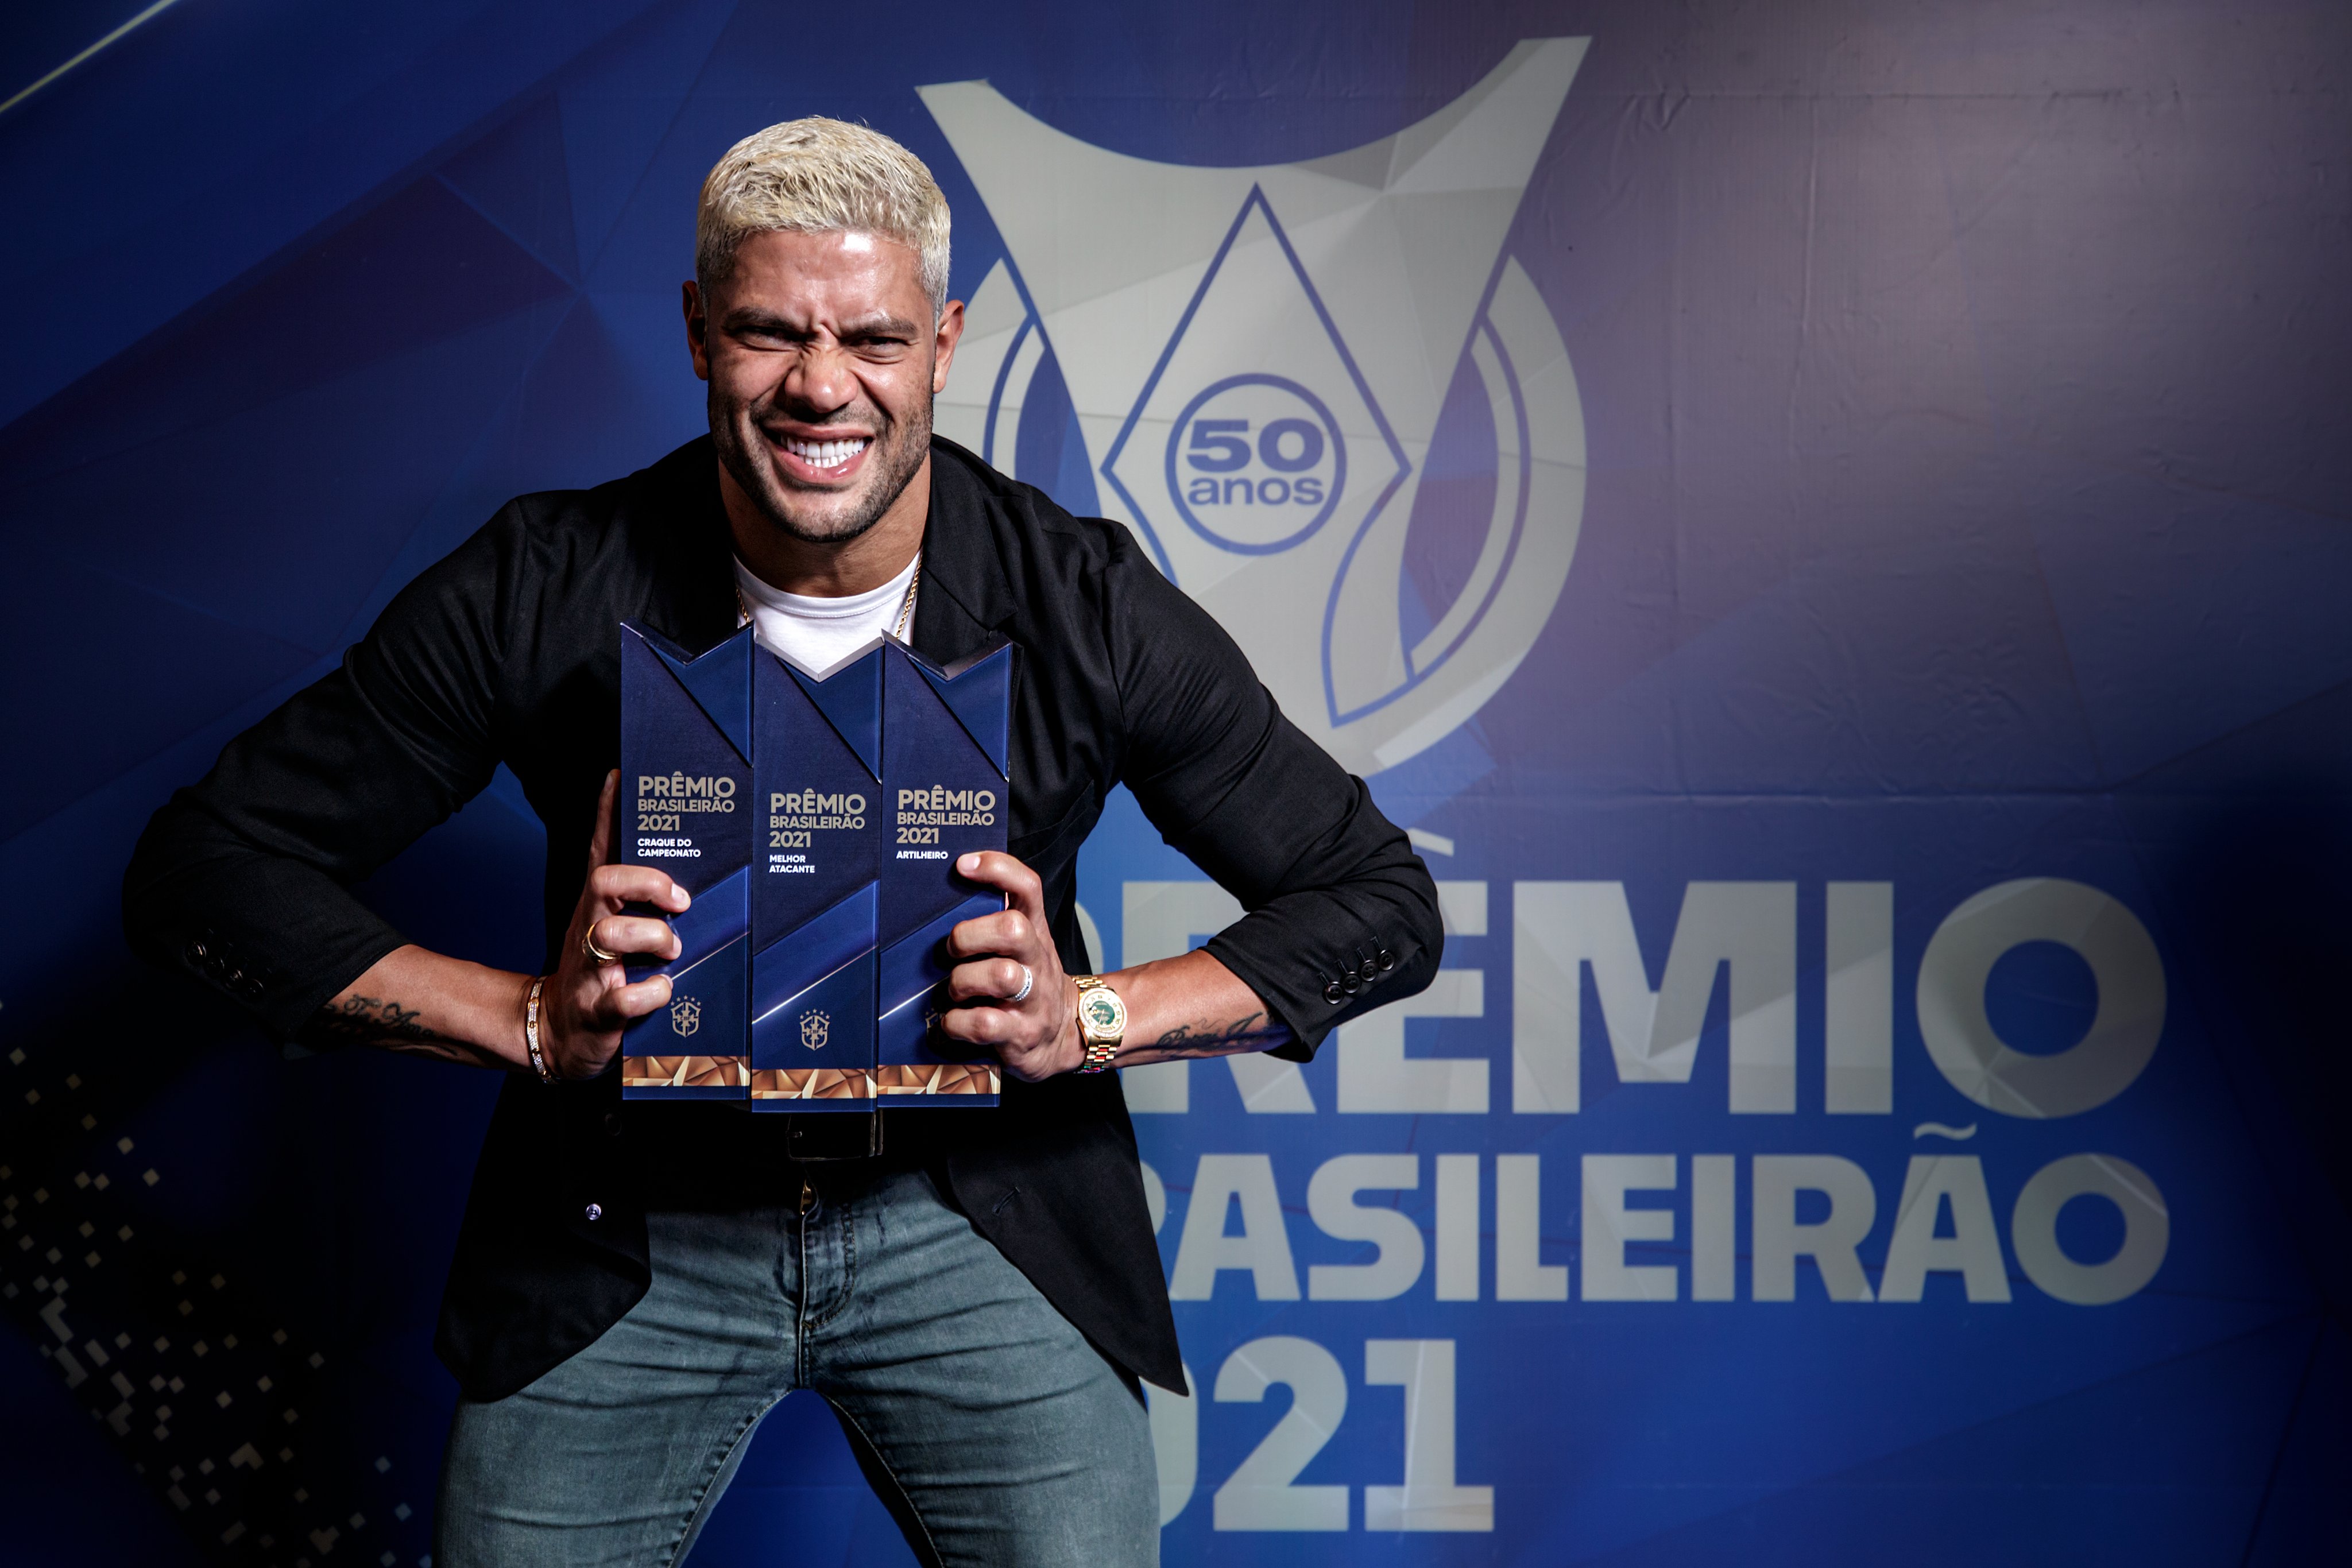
(1329, 885)
(242, 879)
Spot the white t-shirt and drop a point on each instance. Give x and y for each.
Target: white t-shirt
(817, 633)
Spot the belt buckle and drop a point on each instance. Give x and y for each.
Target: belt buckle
(815, 1137)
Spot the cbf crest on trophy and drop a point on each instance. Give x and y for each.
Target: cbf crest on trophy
(817, 1031)
(684, 1016)
(1323, 394)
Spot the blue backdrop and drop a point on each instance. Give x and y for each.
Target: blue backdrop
(1829, 521)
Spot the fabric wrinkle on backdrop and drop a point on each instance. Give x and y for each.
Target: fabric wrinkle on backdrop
(1828, 522)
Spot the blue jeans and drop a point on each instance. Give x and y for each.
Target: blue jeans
(995, 1433)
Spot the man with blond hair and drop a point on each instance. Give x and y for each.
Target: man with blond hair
(633, 1290)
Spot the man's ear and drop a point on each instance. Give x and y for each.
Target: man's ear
(943, 344)
(697, 330)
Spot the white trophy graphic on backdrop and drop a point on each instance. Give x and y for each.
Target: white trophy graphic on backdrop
(1256, 359)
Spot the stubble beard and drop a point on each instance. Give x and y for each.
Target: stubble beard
(892, 461)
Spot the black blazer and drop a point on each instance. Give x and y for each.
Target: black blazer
(506, 651)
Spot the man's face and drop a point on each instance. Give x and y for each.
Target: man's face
(822, 356)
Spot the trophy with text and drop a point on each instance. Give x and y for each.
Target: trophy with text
(944, 787)
(685, 805)
(815, 821)
(813, 893)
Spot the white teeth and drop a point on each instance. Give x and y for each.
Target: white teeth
(825, 454)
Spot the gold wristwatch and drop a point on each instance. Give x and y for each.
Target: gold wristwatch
(1102, 1021)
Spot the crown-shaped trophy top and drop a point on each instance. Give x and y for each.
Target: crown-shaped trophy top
(719, 678)
(977, 689)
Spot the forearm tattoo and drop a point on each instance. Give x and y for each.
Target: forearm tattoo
(371, 1021)
(1252, 1031)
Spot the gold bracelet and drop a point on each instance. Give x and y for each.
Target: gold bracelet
(530, 1030)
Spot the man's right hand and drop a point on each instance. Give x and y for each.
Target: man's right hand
(585, 1004)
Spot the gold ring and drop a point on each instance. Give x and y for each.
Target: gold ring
(588, 945)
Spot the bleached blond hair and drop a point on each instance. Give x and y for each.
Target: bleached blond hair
(821, 176)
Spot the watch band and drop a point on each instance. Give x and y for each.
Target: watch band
(1102, 1041)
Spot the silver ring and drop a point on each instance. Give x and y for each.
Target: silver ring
(1028, 982)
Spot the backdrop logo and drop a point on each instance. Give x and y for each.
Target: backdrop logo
(1324, 394)
(1260, 493)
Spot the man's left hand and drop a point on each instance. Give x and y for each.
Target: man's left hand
(1037, 1036)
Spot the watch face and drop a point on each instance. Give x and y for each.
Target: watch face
(1100, 1012)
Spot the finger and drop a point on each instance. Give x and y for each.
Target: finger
(626, 1004)
(1011, 935)
(994, 868)
(635, 934)
(621, 884)
(599, 837)
(993, 979)
(989, 1027)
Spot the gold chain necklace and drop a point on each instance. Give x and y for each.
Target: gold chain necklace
(905, 605)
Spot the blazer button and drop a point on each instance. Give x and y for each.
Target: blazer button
(1350, 982)
(1333, 994)
(595, 1212)
(198, 951)
(1387, 960)
(612, 1123)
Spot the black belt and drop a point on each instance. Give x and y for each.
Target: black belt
(811, 1135)
(695, 1155)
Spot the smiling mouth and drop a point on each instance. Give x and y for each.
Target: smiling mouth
(825, 456)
